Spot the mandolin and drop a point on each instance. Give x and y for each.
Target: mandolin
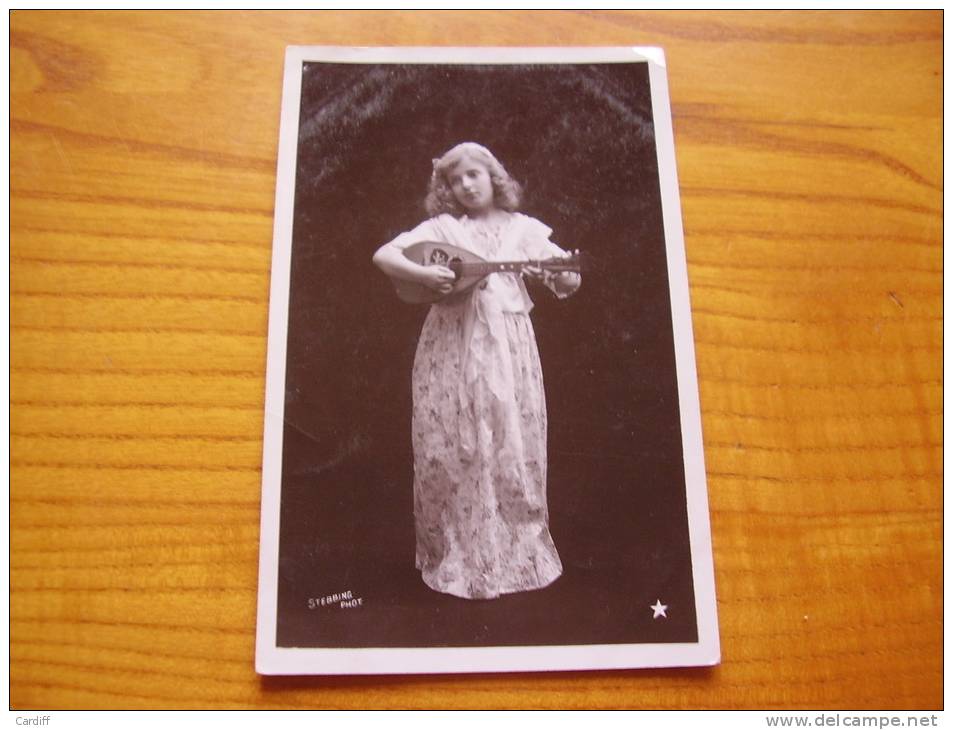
(470, 269)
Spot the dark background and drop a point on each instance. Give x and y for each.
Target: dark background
(580, 139)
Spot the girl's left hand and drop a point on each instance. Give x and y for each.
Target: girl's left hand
(537, 273)
(563, 283)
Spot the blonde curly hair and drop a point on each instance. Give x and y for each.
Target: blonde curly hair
(507, 193)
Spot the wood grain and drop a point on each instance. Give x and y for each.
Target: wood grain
(143, 149)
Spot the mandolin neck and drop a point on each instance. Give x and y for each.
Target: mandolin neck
(483, 268)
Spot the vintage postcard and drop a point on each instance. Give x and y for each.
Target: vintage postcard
(483, 444)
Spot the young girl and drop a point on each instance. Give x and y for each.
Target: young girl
(479, 414)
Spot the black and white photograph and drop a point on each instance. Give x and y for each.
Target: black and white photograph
(483, 447)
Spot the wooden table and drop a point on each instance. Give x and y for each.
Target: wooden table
(142, 180)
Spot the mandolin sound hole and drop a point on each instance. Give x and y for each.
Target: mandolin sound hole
(438, 257)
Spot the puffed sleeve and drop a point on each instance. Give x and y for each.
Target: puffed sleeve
(536, 245)
(424, 232)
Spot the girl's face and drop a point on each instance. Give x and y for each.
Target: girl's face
(471, 185)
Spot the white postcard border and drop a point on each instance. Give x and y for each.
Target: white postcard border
(274, 660)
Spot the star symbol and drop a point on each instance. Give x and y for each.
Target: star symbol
(658, 609)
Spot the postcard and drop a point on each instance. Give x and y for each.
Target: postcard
(482, 447)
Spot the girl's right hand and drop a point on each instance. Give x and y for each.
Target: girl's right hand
(439, 278)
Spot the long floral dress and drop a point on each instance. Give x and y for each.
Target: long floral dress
(479, 424)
